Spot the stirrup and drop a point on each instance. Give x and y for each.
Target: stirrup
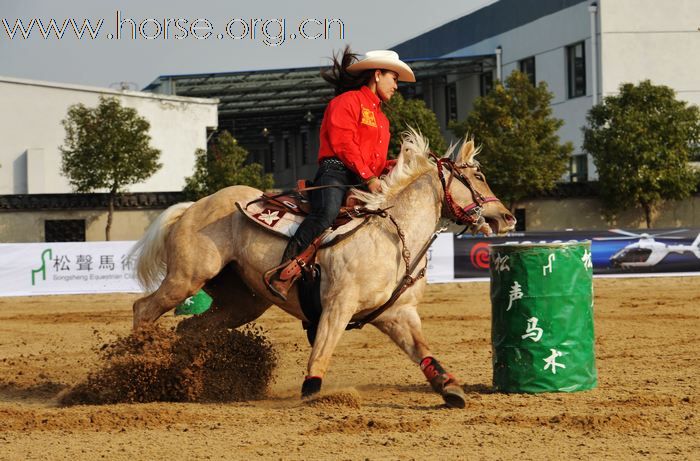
(279, 280)
(278, 285)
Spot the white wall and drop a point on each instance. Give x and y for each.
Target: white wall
(637, 40)
(650, 39)
(31, 133)
(546, 39)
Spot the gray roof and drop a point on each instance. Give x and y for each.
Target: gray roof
(494, 19)
(280, 99)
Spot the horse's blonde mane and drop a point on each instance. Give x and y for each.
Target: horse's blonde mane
(413, 162)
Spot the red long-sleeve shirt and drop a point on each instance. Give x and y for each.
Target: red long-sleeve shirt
(356, 131)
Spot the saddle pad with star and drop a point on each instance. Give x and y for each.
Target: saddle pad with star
(283, 222)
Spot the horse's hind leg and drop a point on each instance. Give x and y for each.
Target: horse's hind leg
(174, 289)
(233, 305)
(403, 325)
(192, 260)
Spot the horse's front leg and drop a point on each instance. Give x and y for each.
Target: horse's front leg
(331, 325)
(403, 325)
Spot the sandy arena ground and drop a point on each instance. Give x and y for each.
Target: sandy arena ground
(646, 405)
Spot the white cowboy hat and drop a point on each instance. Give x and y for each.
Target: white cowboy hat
(385, 60)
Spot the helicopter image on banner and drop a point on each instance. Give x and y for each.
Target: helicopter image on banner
(646, 251)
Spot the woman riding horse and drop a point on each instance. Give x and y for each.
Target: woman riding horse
(353, 149)
(211, 244)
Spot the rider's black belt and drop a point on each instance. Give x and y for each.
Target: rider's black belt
(332, 164)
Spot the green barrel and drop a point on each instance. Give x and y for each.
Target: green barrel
(195, 304)
(542, 317)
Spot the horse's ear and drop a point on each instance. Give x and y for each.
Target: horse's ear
(467, 152)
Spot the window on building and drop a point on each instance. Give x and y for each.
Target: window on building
(485, 83)
(270, 160)
(414, 91)
(576, 70)
(520, 225)
(64, 230)
(527, 67)
(578, 170)
(287, 154)
(450, 102)
(259, 156)
(304, 147)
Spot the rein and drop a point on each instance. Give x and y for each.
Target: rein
(469, 215)
(408, 279)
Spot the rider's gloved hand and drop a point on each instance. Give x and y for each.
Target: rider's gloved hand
(374, 185)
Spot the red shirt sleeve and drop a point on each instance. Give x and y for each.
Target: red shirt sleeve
(343, 133)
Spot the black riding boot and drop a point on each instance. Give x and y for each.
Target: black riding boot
(293, 248)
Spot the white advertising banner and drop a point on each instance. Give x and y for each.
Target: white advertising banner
(441, 259)
(105, 267)
(67, 267)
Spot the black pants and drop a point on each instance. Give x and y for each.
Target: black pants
(325, 204)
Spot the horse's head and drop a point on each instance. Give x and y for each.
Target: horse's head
(468, 198)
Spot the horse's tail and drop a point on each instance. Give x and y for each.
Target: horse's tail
(150, 250)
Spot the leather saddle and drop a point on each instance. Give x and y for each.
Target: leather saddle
(282, 213)
(298, 202)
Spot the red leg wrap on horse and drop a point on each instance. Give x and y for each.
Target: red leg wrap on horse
(436, 375)
(431, 368)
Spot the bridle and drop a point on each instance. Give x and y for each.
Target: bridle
(469, 215)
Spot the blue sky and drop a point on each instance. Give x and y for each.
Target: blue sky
(203, 46)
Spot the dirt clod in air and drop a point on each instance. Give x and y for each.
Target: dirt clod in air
(159, 365)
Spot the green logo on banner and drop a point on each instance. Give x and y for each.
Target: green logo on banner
(42, 270)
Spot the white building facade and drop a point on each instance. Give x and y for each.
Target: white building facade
(583, 50)
(32, 133)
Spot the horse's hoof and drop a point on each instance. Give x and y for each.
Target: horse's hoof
(454, 397)
(311, 386)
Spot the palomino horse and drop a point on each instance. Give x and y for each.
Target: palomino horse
(210, 244)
